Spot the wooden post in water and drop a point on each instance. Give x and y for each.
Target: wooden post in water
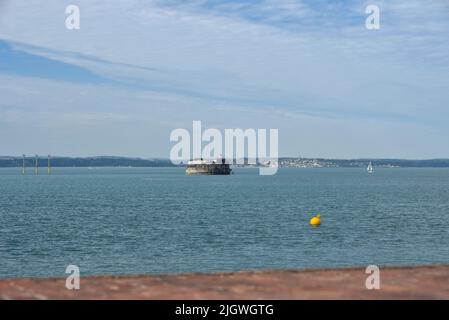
(36, 169)
(23, 164)
(49, 166)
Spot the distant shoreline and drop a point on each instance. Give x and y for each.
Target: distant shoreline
(422, 282)
(110, 161)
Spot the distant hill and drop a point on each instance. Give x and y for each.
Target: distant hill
(110, 161)
(354, 163)
(86, 162)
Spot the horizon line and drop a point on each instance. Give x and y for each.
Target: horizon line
(2, 157)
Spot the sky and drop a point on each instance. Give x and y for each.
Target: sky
(138, 69)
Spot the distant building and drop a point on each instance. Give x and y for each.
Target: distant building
(208, 167)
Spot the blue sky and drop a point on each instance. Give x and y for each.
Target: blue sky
(138, 69)
(21, 63)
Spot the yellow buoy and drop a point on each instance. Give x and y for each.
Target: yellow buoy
(315, 221)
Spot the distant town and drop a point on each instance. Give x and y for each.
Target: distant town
(354, 163)
(285, 162)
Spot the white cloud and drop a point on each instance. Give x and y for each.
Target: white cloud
(196, 62)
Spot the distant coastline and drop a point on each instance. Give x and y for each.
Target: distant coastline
(284, 162)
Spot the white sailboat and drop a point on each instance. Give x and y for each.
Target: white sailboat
(370, 168)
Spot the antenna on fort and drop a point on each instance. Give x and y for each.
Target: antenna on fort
(49, 165)
(23, 164)
(36, 169)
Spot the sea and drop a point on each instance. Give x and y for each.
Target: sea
(147, 221)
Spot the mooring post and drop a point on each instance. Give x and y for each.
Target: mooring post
(23, 164)
(49, 166)
(36, 169)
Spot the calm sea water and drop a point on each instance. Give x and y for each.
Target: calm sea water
(157, 220)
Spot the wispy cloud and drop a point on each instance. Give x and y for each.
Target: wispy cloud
(300, 61)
